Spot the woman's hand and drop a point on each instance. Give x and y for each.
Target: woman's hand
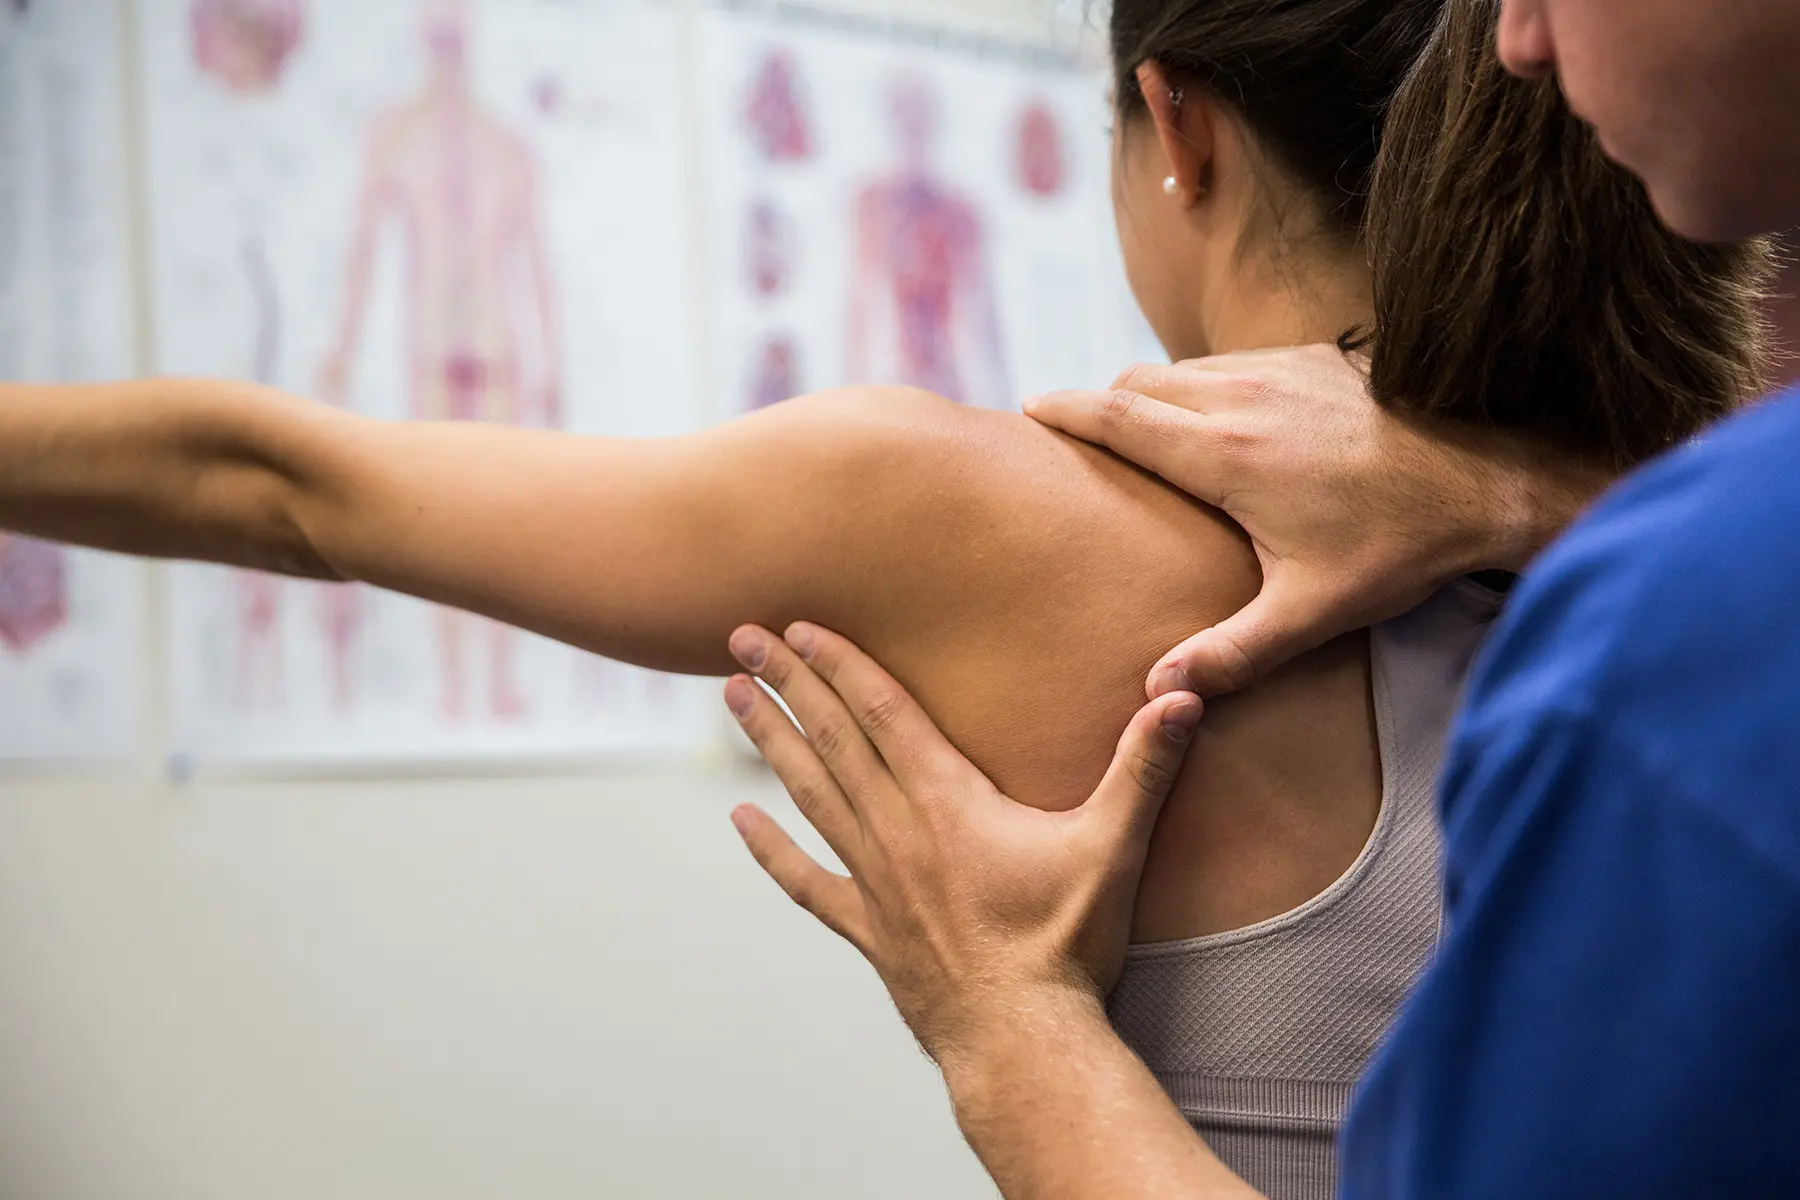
(973, 908)
(1356, 514)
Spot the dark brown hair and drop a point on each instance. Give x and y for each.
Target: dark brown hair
(1311, 78)
(1523, 281)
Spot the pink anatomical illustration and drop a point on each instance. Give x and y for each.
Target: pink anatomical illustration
(776, 113)
(547, 95)
(776, 376)
(257, 597)
(34, 592)
(768, 249)
(922, 309)
(1042, 169)
(461, 190)
(246, 44)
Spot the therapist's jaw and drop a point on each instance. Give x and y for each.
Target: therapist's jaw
(1700, 99)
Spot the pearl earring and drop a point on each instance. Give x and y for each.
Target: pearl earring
(1170, 187)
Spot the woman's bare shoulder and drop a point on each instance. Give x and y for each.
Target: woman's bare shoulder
(1021, 582)
(1025, 498)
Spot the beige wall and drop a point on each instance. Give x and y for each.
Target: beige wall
(541, 987)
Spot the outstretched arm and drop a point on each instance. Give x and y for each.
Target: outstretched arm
(648, 551)
(164, 469)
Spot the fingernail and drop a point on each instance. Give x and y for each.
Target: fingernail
(800, 637)
(740, 820)
(740, 696)
(1029, 403)
(1170, 679)
(1181, 720)
(749, 648)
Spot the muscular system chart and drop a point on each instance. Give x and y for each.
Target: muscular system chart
(431, 210)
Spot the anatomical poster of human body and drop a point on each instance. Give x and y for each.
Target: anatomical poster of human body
(70, 621)
(417, 209)
(903, 209)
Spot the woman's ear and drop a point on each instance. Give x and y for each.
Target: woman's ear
(1184, 130)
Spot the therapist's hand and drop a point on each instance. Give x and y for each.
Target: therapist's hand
(974, 909)
(1357, 514)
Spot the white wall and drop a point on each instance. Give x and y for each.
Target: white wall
(538, 987)
(457, 988)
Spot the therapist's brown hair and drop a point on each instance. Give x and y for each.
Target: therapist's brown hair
(1523, 280)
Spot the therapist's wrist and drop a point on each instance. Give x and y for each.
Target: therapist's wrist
(1503, 499)
(996, 1052)
(1540, 497)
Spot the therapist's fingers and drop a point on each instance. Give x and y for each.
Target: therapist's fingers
(1164, 439)
(834, 899)
(807, 780)
(830, 728)
(1189, 384)
(911, 745)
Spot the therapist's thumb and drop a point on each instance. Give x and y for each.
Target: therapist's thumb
(1282, 623)
(1147, 762)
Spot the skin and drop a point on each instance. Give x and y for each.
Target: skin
(1000, 990)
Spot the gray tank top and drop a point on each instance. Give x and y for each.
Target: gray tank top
(1258, 1034)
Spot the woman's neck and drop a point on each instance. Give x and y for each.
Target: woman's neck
(1262, 301)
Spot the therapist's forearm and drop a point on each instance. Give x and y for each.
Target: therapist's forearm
(1058, 1108)
(164, 468)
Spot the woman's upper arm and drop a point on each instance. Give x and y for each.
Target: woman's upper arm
(646, 551)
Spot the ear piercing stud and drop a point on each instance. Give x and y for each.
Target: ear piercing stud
(1170, 187)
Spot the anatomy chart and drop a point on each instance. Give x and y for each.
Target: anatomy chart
(416, 209)
(897, 209)
(70, 621)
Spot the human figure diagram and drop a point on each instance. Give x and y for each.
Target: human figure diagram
(246, 46)
(480, 305)
(922, 308)
(34, 592)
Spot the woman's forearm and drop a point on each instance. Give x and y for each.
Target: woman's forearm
(194, 469)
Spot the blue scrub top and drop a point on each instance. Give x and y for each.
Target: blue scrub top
(1615, 1010)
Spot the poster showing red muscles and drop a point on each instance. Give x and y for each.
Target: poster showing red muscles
(400, 208)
